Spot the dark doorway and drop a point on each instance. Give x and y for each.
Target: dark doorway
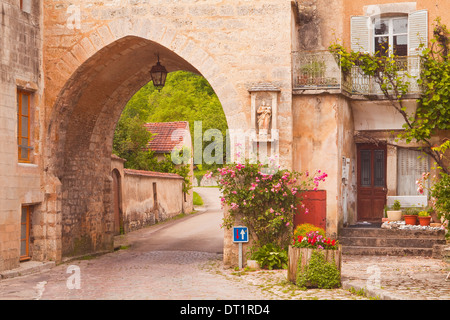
(117, 202)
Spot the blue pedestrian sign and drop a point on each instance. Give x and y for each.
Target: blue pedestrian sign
(240, 234)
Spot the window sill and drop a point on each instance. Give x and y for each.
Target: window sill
(27, 165)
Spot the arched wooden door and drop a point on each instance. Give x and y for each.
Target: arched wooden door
(117, 202)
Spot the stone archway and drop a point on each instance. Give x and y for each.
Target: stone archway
(80, 132)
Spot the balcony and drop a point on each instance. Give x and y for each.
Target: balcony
(319, 71)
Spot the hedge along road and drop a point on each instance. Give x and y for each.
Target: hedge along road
(165, 261)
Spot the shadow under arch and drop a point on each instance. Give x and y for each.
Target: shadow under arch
(80, 134)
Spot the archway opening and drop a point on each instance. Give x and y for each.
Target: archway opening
(80, 136)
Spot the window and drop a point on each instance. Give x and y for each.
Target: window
(411, 164)
(389, 33)
(23, 125)
(390, 36)
(25, 233)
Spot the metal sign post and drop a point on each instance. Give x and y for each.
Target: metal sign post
(240, 235)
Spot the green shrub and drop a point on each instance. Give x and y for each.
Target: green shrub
(396, 206)
(411, 211)
(197, 200)
(270, 256)
(304, 229)
(318, 273)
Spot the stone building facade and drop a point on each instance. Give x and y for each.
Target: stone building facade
(78, 62)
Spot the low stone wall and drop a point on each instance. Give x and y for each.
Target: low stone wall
(148, 197)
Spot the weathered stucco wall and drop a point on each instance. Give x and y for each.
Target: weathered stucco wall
(139, 206)
(137, 198)
(322, 136)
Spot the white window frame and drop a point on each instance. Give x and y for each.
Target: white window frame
(390, 33)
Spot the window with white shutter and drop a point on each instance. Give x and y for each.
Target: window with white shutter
(417, 31)
(411, 165)
(401, 34)
(360, 34)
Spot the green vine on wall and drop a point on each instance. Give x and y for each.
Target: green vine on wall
(433, 111)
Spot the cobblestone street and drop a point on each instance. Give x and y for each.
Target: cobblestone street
(148, 268)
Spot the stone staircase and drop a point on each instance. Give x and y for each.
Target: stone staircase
(377, 241)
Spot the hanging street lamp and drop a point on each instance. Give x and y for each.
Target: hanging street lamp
(159, 74)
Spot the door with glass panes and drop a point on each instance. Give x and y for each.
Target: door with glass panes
(371, 186)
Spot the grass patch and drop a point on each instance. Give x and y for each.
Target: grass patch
(198, 201)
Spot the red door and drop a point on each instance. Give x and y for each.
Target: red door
(316, 203)
(371, 182)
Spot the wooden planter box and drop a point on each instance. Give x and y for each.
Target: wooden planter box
(295, 253)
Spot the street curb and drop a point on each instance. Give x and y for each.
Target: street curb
(27, 268)
(369, 293)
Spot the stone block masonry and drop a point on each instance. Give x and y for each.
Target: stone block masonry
(97, 55)
(20, 68)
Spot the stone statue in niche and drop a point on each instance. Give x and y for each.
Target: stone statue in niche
(264, 116)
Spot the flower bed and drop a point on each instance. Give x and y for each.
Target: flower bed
(314, 261)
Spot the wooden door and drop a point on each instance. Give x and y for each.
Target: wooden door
(371, 182)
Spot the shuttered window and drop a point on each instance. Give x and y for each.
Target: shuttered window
(411, 165)
(369, 34)
(359, 26)
(417, 31)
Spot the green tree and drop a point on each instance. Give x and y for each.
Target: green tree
(185, 97)
(130, 143)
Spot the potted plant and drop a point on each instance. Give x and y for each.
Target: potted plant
(315, 261)
(410, 215)
(394, 213)
(312, 73)
(424, 218)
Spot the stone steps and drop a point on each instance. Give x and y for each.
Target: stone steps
(377, 241)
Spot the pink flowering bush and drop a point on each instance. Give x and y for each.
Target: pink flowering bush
(264, 199)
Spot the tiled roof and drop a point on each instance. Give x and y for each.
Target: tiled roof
(152, 174)
(162, 140)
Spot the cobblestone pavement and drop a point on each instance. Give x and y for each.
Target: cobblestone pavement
(191, 275)
(148, 269)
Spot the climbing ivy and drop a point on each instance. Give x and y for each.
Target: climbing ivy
(433, 111)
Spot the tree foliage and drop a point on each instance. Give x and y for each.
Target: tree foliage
(185, 97)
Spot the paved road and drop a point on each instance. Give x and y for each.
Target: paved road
(167, 261)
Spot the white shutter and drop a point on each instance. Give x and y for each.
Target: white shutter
(410, 168)
(360, 39)
(417, 31)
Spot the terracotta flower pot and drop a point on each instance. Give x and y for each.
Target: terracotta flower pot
(424, 221)
(410, 219)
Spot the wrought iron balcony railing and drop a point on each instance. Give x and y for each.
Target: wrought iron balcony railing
(320, 70)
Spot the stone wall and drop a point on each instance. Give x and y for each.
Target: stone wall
(97, 55)
(138, 196)
(20, 68)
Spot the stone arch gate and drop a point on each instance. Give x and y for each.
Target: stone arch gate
(96, 56)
